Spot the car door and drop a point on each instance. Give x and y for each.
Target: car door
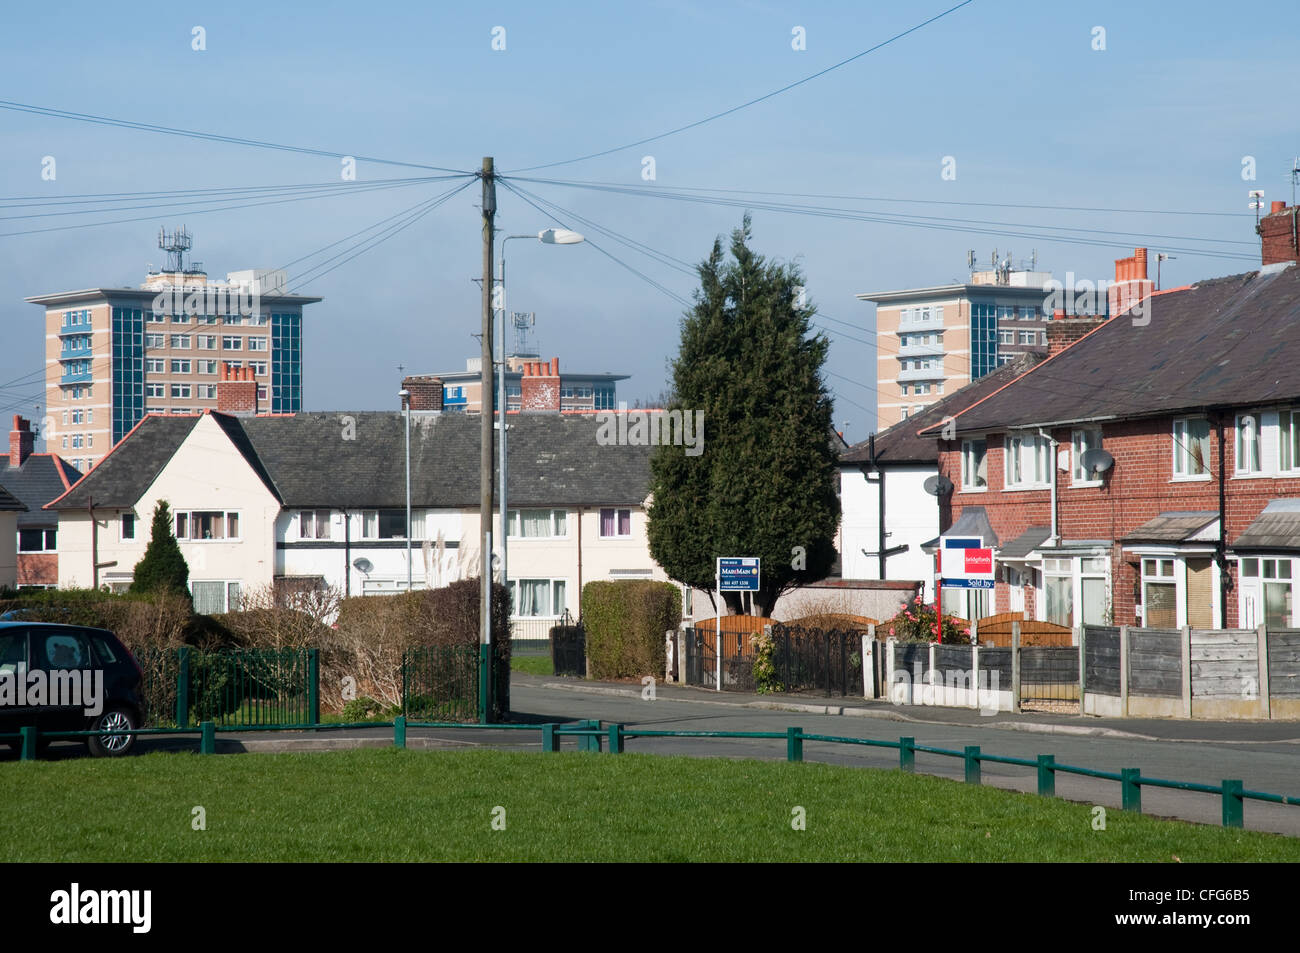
(13, 670)
(63, 653)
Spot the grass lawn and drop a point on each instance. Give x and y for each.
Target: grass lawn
(396, 805)
(532, 664)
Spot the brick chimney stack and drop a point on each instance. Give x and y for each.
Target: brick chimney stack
(539, 390)
(1132, 286)
(21, 441)
(1063, 331)
(237, 391)
(425, 391)
(1279, 235)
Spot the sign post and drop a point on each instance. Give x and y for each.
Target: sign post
(734, 574)
(964, 564)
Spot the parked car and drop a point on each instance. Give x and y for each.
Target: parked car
(107, 696)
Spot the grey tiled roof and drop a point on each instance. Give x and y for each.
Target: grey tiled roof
(357, 459)
(118, 480)
(1025, 543)
(9, 502)
(1172, 527)
(35, 483)
(901, 444)
(1277, 528)
(1225, 342)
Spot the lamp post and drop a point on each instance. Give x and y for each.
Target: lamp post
(406, 406)
(550, 236)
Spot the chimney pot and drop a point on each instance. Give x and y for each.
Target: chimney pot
(1276, 207)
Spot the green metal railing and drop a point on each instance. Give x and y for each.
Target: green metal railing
(246, 688)
(591, 735)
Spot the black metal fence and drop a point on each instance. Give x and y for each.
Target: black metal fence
(823, 660)
(441, 683)
(700, 658)
(1049, 676)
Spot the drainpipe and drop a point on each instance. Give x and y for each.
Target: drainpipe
(94, 544)
(1056, 541)
(1221, 557)
(580, 559)
(347, 554)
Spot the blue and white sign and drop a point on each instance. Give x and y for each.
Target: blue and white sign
(738, 573)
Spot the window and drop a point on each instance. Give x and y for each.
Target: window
(388, 524)
(1266, 593)
(155, 365)
(155, 390)
(903, 414)
(262, 392)
(537, 597)
(181, 366)
(128, 526)
(181, 318)
(1028, 314)
(181, 390)
(903, 388)
(1006, 336)
(1081, 441)
(1247, 443)
(154, 317)
(231, 342)
(257, 344)
(974, 464)
(207, 342)
(154, 340)
(538, 524)
(1159, 594)
(258, 367)
(208, 319)
(214, 597)
(37, 540)
(1058, 581)
(207, 367)
(315, 524)
(1191, 449)
(1028, 337)
(207, 391)
(1289, 440)
(76, 441)
(923, 388)
(615, 523)
(1027, 459)
(207, 525)
(181, 342)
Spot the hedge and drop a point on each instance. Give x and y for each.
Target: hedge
(625, 621)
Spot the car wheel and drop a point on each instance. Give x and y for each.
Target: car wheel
(112, 746)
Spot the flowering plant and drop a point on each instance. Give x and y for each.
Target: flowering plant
(915, 623)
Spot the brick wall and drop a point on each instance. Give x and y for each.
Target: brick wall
(1063, 331)
(1131, 282)
(1137, 489)
(426, 392)
(38, 569)
(237, 391)
(21, 441)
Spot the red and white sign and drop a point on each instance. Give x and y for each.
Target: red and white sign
(972, 564)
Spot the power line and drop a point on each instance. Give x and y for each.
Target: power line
(752, 102)
(207, 136)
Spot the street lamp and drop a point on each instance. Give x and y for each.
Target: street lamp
(549, 236)
(406, 405)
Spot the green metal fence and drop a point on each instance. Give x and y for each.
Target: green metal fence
(441, 682)
(245, 688)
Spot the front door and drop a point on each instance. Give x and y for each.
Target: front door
(1200, 593)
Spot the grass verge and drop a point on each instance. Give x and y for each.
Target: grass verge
(398, 805)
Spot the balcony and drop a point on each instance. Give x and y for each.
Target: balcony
(71, 376)
(911, 323)
(928, 374)
(920, 350)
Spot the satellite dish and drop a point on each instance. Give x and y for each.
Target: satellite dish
(362, 564)
(1096, 461)
(937, 485)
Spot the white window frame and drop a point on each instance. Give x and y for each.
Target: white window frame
(1080, 443)
(189, 536)
(969, 468)
(1252, 423)
(514, 522)
(1181, 446)
(1250, 589)
(616, 510)
(553, 612)
(1034, 453)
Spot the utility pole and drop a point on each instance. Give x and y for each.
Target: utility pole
(485, 449)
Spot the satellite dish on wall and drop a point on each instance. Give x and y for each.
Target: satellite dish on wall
(362, 564)
(937, 485)
(1096, 461)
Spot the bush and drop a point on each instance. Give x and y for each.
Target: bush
(764, 672)
(625, 621)
(915, 623)
(362, 709)
(163, 568)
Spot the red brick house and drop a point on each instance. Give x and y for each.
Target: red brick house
(35, 479)
(1192, 514)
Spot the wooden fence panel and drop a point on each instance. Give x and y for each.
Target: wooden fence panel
(1284, 663)
(1155, 662)
(1101, 651)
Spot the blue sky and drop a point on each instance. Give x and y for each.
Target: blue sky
(1159, 120)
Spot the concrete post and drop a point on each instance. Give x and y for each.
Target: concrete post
(1080, 637)
(930, 675)
(1266, 704)
(889, 670)
(975, 675)
(1123, 671)
(1015, 665)
(869, 662)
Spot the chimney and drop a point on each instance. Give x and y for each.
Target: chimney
(237, 391)
(1132, 286)
(1278, 235)
(426, 392)
(21, 441)
(1063, 331)
(539, 390)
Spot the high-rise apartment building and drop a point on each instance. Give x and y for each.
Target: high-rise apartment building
(114, 354)
(931, 341)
